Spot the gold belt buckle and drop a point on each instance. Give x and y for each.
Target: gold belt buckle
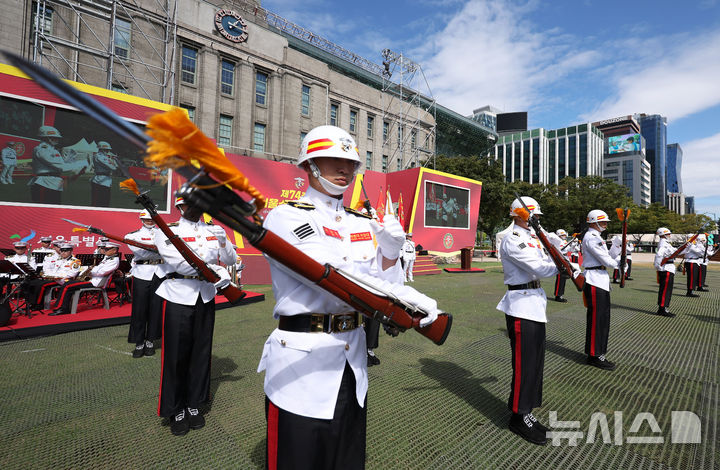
(316, 323)
(344, 322)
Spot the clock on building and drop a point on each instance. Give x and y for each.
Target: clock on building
(231, 25)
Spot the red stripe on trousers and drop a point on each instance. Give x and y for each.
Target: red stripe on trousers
(39, 300)
(162, 355)
(667, 278)
(594, 321)
(61, 297)
(518, 366)
(557, 284)
(272, 437)
(692, 276)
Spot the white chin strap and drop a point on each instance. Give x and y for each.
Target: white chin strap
(331, 188)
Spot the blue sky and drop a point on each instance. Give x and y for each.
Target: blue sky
(564, 62)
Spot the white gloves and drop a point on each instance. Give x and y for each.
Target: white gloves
(422, 301)
(432, 316)
(224, 280)
(390, 236)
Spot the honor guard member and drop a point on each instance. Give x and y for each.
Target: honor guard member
(147, 272)
(702, 262)
(628, 259)
(614, 252)
(315, 361)
(408, 254)
(9, 161)
(596, 259)
(189, 317)
(104, 164)
(560, 242)
(97, 276)
(48, 166)
(524, 262)
(56, 270)
(711, 250)
(693, 255)
(665, 272)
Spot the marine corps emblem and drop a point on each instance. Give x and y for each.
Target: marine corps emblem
(346, 144)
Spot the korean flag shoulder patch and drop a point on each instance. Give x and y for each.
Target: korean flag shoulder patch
(304, 231)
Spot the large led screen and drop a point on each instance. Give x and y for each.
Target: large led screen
(446, 206)
(624, 143)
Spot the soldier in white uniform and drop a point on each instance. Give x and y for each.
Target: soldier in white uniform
(702, 262)
(711, 250)
(408, 254)
(48, 166)
(99, 277)
(189, 318)
(104, 164)
(9, 161)
(560, 242)
(315, 361)
(147, 272)
(45, 247)
(524, 263)
(665, 273)
(596, 260)
(20, 256)
(693, 256)
(58, 269)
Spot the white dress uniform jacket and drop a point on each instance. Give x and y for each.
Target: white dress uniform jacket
(100, 274)
(64, 269)
(49, 262)
(629, 250)
(408, 251)
(204, 240)
(710, 251)
(664, 249)
(595, 253)
(524, 260)
(22, 259)
(694, 252)
(49, 166)
(104, 166)
(303, 370)
(145, 271)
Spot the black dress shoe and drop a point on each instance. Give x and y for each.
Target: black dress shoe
(523, 426)
(628, 279)
(559, 298)
(179, 424)
(195, 419)
(138, 351)
(691, 294)
(62, 311)
(663, 312)
(537, 423)
(149, 349)
(702, 289)
(600, 362)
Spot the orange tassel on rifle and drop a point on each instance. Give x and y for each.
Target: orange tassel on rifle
(130, 185)
(178, 142)
(79, 229)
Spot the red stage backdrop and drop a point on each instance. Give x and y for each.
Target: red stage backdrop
(440, 209)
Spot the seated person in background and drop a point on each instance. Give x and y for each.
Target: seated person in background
(99, 276)
(56, 270)
(20, 256)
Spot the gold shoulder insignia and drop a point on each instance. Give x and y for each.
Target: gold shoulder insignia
(76, 264)
(301, 205)
(173, 224)
(209, 222)
(352, 211)
(516, 234)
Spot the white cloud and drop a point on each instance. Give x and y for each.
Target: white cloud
(699, 167)
(682, 82)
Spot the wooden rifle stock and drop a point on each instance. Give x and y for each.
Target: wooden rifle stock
(560, 261)
(231, 210)
(231, 292)
(679, 250)
(623, 214)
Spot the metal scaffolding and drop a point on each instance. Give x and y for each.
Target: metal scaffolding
(121, 44)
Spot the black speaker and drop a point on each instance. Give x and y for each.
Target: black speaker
(5, 313)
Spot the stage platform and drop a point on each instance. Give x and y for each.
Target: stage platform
(41, 324)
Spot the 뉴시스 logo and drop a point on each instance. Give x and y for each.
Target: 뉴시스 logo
(685, 428)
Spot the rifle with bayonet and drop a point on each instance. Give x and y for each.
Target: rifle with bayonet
(560, 261)
(214, 196)
(681, 248)
(623, 215)
(98, 231)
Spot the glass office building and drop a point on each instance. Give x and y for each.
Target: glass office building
(653, 128)
(674, 156)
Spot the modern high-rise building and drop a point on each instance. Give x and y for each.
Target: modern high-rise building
(676, 203)
(631, 170)
(689, 204)
(547, 156)
(653, 128)
(674, 156)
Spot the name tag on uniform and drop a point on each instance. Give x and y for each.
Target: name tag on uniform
(332, 233)
(211, 238)
(148, 239)
(360, 237)
(188, 239)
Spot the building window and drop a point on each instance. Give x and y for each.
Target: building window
(225, 130)
(400, 136)
(302, 137)
(370, 127)
(333, 114)
(261, 80)
(386, 131)
(227, 77)
(189, 65)
(123, 31)
(353, 120)
(259, 137)
(120, 88)
(399, 164)
(305, 101)
(190, 110)
(42, 18)
(384, 163)
(368, 160)
(413, 139)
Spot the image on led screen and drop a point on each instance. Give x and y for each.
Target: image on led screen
(624, 143)
(446, 206)
(61, 157)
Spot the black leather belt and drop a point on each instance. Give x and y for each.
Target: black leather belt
(180, 276)
(149, 261)
(321, 322)
(529, 285)
(590, 268)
